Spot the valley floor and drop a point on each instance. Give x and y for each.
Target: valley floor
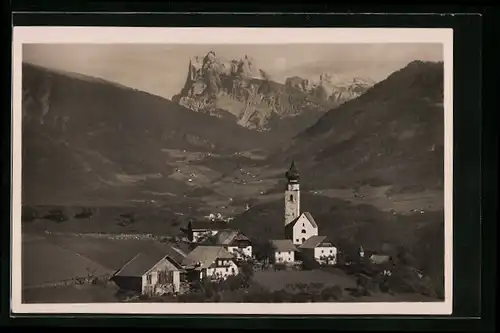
(51, 260)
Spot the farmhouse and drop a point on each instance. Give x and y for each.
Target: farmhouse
(213, 262)
(298, 227)
(234, 241)
(199, 230)
(319, 249)
(282, 251)
(149, 275)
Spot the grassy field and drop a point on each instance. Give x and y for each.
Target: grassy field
(380, 197)
(44, 262)
(279, 280)
(71, 294)
(54, 258)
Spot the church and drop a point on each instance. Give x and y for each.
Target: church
(300, 229)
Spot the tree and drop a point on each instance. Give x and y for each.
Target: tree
(84, 213)
(56, 215)
(29, 214)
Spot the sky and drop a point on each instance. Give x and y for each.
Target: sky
(161, 69)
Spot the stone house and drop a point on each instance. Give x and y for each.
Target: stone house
(213, 262)
(282, 251)
(319, 249)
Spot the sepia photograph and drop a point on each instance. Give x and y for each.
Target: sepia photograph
(231, 170)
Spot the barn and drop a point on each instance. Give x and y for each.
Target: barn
(149, 275)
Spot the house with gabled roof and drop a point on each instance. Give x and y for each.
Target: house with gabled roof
(234, 241)
(213, 262)
(197, 231)
(318, 249)
(282, 251)
(149, 274)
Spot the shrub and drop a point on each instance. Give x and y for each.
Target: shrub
(84, 213)
(301, 297)
(329, 293)
(29, 214)
(56, 215)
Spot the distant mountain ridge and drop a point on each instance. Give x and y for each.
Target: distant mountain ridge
(392, 134)
(81, 133)
(239, 90)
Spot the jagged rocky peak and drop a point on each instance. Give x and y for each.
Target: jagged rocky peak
(238, 90)
(199, 67)
(331, 87)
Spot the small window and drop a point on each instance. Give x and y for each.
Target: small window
(331, 251)
(291, 197)
(322, 251)
(303, 240)
(149, 278)
(297, 240)
(304, 231)
(227, 269)
(232, 270)
(303, 225)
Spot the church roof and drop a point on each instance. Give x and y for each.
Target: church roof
(308, 217)
(292, 173)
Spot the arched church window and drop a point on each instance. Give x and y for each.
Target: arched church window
(303, 240)
(291, 197)
(304, 231)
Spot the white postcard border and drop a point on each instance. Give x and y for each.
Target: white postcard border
(128, 35)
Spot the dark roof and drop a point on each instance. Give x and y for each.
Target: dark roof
(225, 237)
(282, 245)
(292, 174)
(307, 216)
(315, 241)
(206, 255)
(142, 263)
(208, 225)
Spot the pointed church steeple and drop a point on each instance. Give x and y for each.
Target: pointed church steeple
(292, 174)
(292, 194)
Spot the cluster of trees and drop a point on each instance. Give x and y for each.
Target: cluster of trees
(30, 214)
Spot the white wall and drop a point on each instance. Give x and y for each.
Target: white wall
(292, 207)
(247, 251)
(284, 257)
(326, 251)
(223, 272)
(301, 225)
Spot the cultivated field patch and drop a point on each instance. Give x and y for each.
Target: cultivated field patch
(291, 280)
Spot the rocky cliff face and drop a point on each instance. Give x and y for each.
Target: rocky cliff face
(241, 91)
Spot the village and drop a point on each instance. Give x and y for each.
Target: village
(215, 253)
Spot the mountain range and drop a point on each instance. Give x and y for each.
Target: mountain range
(239, 90)
(87, 136)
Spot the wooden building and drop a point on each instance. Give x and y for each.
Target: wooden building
(149, 275)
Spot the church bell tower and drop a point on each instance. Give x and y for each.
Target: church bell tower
(292, 194)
